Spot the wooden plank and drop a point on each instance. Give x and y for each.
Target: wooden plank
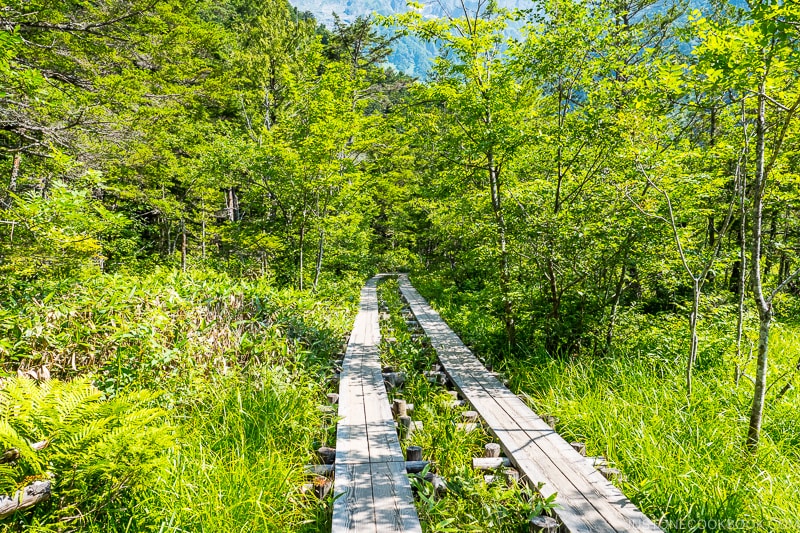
(353, 506)
(581, 515)
(382, 436)
(372, 490)
(394, 502)
(571, 463)
(590, 503)
(572, 489)
(384, 445)
(25, 498)
(351, 430)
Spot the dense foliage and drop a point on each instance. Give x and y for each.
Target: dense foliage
(203, 405)
(193, 190)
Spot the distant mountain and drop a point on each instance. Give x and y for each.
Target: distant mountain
(411, 55)
(348, 10)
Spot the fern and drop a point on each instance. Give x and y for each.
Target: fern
(97, 449)
(7, 480)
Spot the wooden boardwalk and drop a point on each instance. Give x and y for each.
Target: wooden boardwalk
(588, 502)
(373, 494)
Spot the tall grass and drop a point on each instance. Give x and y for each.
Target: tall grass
(685, 464)
(239, 464)
(241, 369)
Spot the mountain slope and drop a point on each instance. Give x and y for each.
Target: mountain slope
(411, 55)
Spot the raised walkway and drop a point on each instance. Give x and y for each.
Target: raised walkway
(372, 491)
(588, 503)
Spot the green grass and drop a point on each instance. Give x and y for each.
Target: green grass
(685, 464)
(239, 465)
(240, 367)
(470, 504)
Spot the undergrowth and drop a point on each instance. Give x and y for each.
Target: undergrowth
(239, 462)
(235, 369)
(470, 504)
(685, 464)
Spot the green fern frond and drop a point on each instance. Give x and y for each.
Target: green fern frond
(7, 479)
(97, 448)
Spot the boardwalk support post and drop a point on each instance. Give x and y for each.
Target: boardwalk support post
(326, 455)
(414, 453)
(543, 524)
(399, 408)
(579, 447)
(492, 449)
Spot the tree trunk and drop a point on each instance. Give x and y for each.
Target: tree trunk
(742, 241)
(559, 149)
(712, 231)
(763, 305)
(183, 245)
(742, 281)
(233, 205)
(301, 245)
(759, 395)
(505, 275)
(615, 305)
(320, 252)
(203, 230)
(12, 184)
(551, 342)
(204, 239)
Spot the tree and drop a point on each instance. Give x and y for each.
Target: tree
(765, 75)
(479, 102)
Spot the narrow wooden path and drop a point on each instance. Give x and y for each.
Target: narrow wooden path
(588, 502)
(372, 491)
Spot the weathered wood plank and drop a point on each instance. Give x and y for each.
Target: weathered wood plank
(564, 457)
(589, 502)
(608, 500)
(353, 508)
(36, 492)
(394, 502)
(381, 433)
(372, 490)
(351, 431)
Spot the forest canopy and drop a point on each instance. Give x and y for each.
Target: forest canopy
(613, 182)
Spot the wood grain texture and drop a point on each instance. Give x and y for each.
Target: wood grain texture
(394, 502)
(371, 486)
(36, 492)
(353, 509)
(589, 503)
